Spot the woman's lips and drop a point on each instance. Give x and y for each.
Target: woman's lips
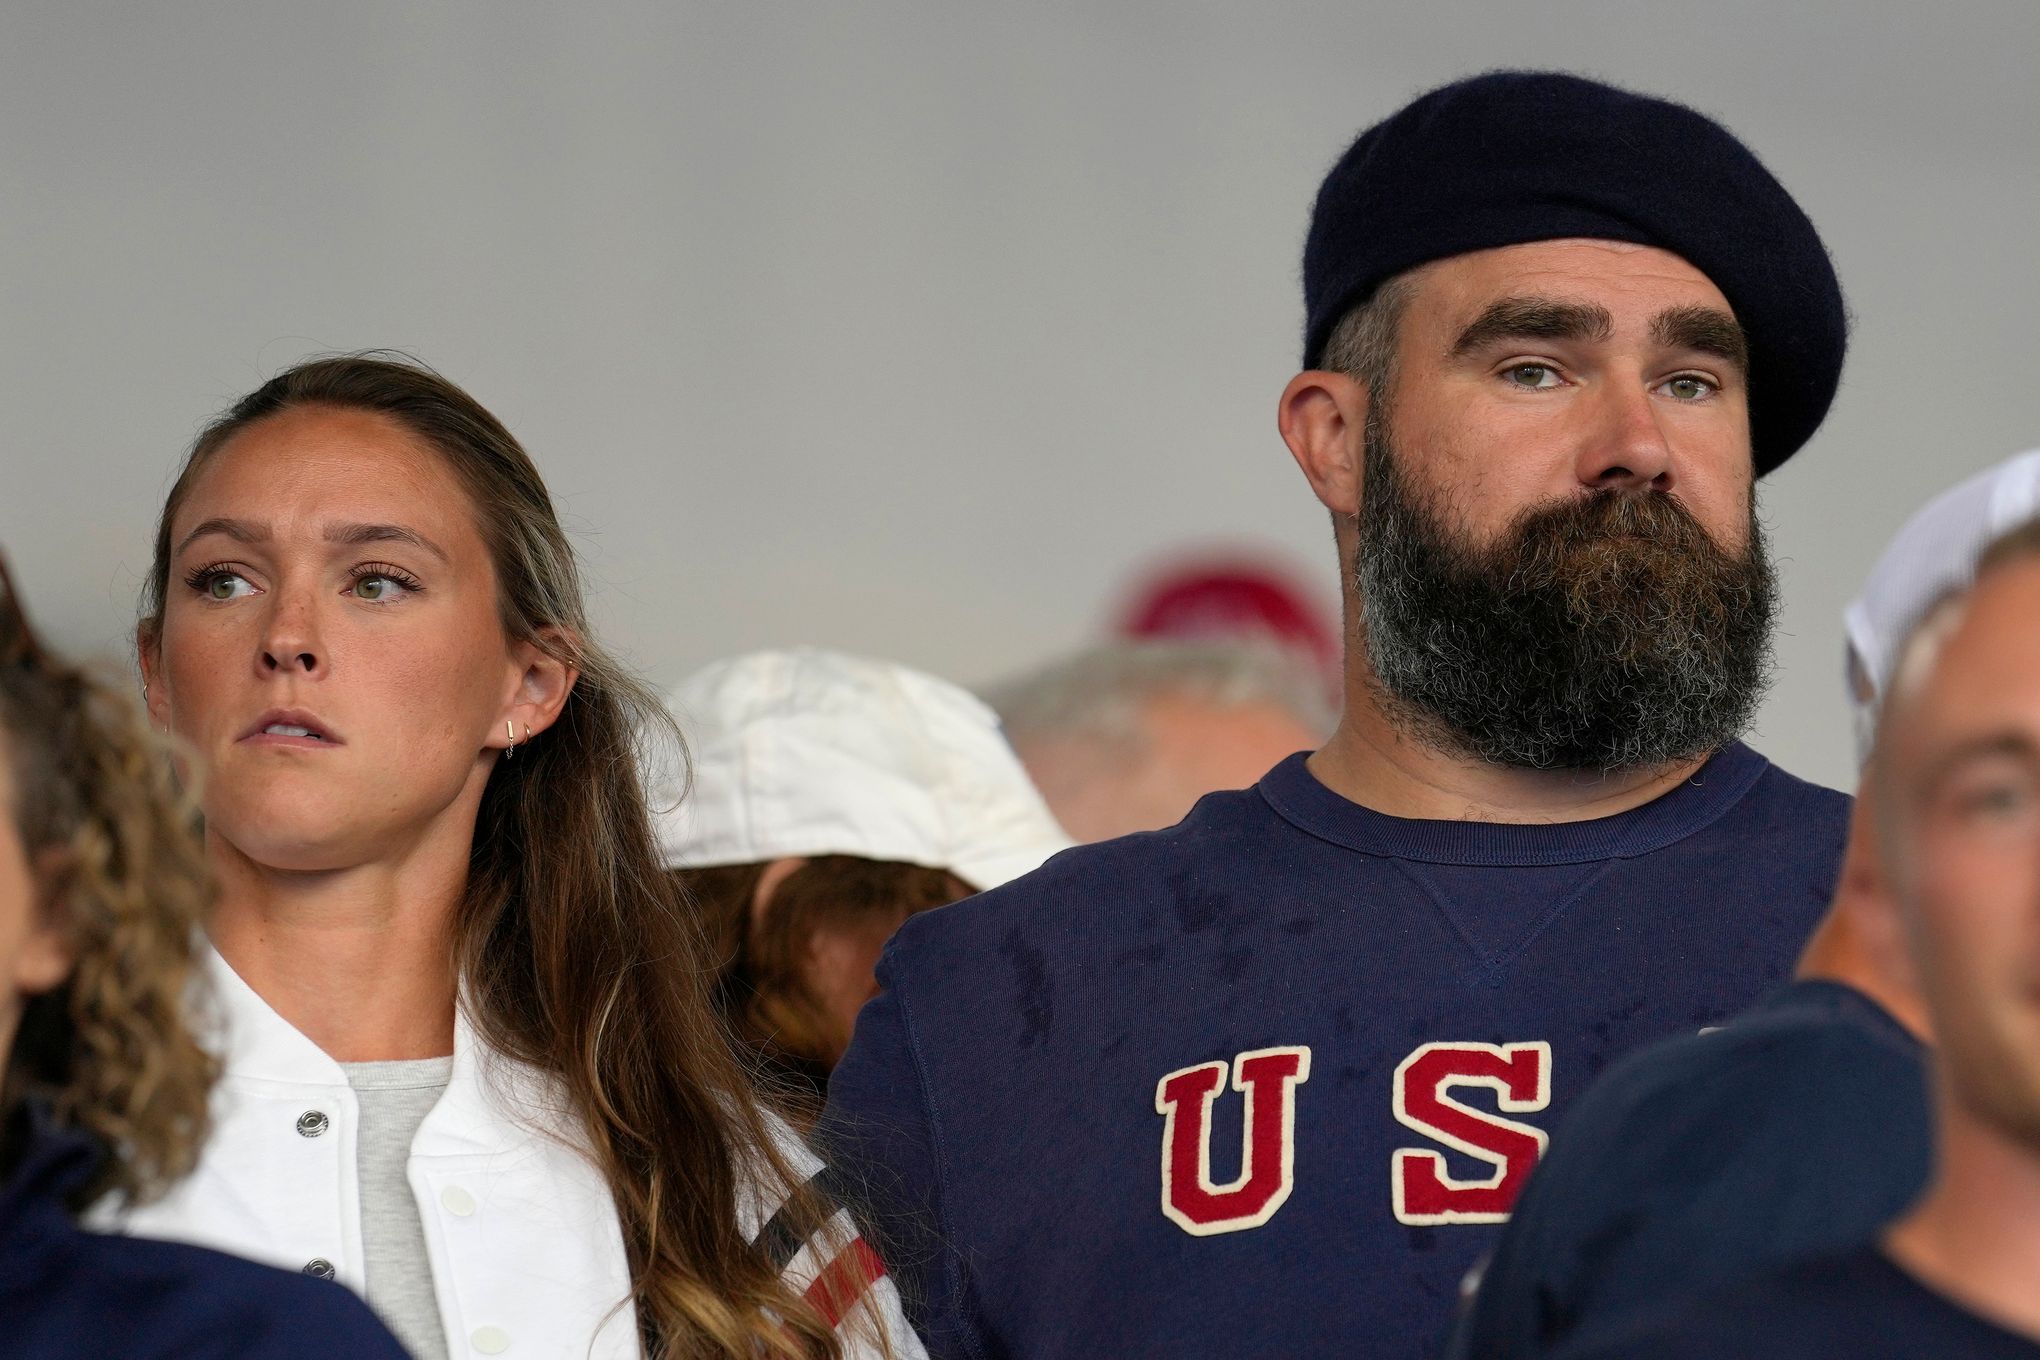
(297, 737)
(292, 728)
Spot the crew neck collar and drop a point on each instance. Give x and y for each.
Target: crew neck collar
(1296, 795)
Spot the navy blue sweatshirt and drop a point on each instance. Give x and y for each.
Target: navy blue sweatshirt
(1265, 1082)
(65, 1292)
(1797, 1130)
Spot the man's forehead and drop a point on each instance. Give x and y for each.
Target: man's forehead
(1614, 274)
(1985, 672)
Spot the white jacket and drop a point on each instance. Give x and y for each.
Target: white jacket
(520, 1228)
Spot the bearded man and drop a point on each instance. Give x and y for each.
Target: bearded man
(1265, 1082)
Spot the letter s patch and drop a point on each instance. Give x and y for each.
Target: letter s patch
(1520, 1074)
(1268, 1077)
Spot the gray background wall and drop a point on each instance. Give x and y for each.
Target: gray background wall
(909, 327)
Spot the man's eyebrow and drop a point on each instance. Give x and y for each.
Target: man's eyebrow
(355, 535)
(1708, 330)
(240, 530)
(1534, 318)
(1990, 745)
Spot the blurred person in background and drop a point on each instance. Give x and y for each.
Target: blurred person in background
(1268, 1082)
(1229, 593)
(1802, 1126)
(102, 892)
(832, 797)
(1128, 736)
(470, 1066)
(1955, 786)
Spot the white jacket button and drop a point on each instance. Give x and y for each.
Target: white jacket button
(319, 1267)
(312, 1123)
(490, 1340)
(457, 1201)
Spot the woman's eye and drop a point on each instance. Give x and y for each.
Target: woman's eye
(376, 589)
(223, 585)
(1531, 375)
(1687, 387)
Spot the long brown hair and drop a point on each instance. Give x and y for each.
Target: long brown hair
(576, 953)
(98, 808)
(761, 985)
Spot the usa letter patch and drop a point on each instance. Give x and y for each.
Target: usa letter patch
(1268, 1077)
(1520, 1075)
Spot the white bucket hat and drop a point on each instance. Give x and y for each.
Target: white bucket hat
(808, 752)
(1933, 553)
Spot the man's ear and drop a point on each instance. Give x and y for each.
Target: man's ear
(1323, 419)
(1868, 900)
(543, 682)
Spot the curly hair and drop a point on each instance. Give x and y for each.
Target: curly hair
(98, 807)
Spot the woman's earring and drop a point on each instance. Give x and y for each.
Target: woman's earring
(510, 732)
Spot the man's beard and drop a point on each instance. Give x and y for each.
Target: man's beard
(1604, 632)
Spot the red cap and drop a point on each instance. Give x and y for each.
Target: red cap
(1225, 596)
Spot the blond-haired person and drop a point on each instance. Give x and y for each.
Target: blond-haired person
(1956, 792)
(104, 1095)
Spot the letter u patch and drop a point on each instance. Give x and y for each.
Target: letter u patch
(1268, 1078)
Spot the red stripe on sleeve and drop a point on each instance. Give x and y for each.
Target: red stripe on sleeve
(845, 1280)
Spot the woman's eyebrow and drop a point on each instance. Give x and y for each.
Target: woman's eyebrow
(240, 530)
(355, 535)
(248, 531)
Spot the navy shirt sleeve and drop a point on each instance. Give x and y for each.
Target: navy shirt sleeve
(1855, 1306)
(66, 1292)
(138, 1298)
(277, 1316)
(879, 1134)
(1798, 1129)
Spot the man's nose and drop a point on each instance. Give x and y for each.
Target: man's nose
(1625, 448)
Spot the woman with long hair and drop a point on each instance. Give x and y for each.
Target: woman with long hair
(103, 1090)
(469, 1063)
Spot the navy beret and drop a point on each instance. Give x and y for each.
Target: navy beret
(1516, 156)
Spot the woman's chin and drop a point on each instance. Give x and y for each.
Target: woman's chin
(290, 836)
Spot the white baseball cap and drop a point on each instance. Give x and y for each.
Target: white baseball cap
(1934, 553)
(807, 752)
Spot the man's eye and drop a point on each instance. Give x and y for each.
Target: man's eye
(1530, 375)
(1995, 801)
(1687, 387)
